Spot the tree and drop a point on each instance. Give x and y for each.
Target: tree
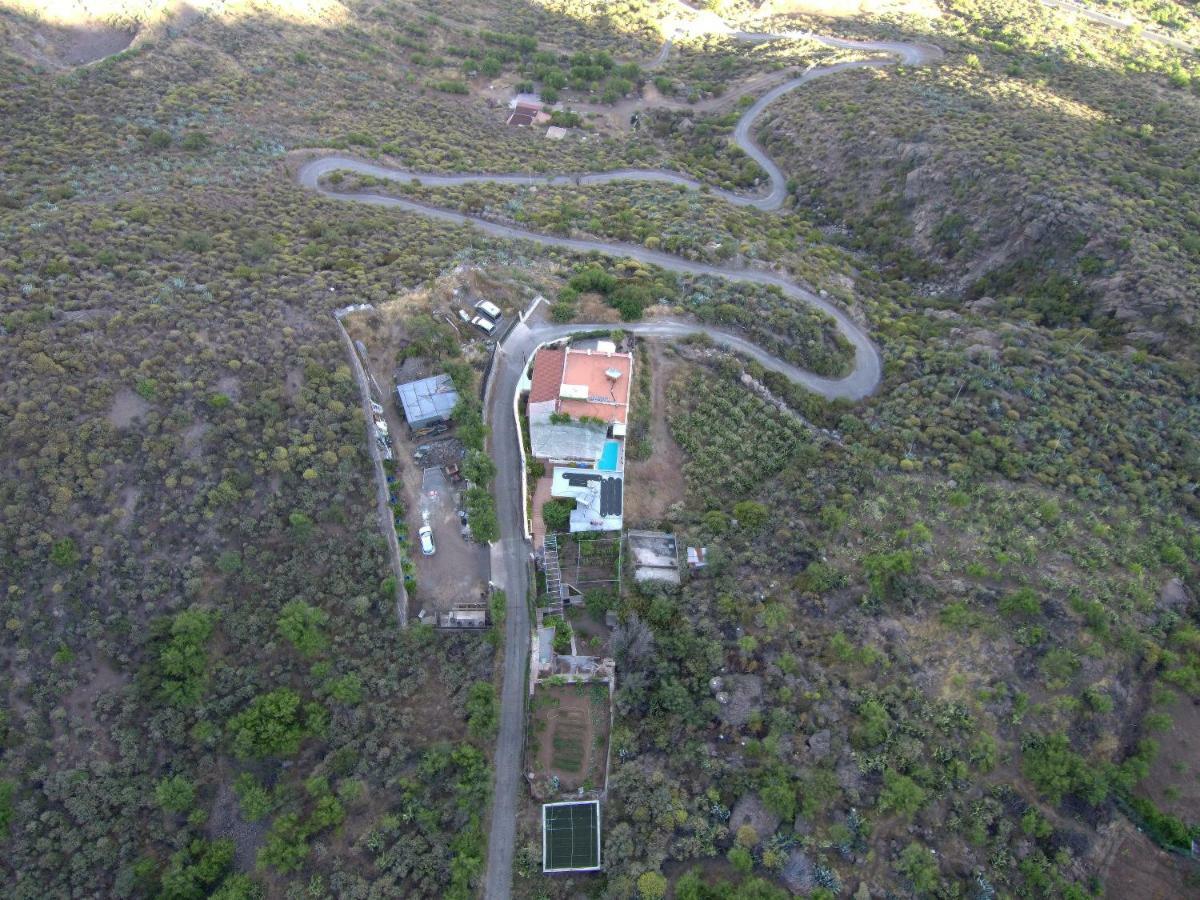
(194, 870)
(175, 793)
(778, 793)
(301, 624)
(469, 424)
(479, 468)
(481, 512)
(7, 789)
(183, 660)
(273, 725)
(238, 887)
(286, 846)
(633, 644)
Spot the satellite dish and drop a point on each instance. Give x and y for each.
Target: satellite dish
(614, 374)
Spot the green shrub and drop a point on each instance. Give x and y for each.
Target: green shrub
(301, 624)
(273, 725)
(174, 794)
(901, 794)
(556, 514)
(1023, 604)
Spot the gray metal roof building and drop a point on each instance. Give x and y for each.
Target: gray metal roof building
(428, 401)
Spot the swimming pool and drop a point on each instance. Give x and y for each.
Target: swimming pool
(608, 459)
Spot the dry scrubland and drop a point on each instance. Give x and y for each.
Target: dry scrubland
(958, 617)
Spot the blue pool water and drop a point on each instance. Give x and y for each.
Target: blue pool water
(608, 459)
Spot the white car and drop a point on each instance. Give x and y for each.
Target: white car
(465, 316)
(426, 534)
(486, 326)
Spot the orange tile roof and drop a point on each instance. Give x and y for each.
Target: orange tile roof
(547, 375)
(607, 398)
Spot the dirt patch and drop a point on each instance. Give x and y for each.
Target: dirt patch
(654, 485)
(225, 821)
(129, 501)
(193, 439)
(230, 386)
(570, 734)
(59, 46)
(81, 731)
(457, 572)
(293, 382)
(592, 638)
(81, 45)
(541, 496)
(1129, 865)
(127, 408)
(592, 308)
(1174, 782)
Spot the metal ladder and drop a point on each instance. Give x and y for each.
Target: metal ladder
(554, 582)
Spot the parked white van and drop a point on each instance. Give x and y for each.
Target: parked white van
(489, 309)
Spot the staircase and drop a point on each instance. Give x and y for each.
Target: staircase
(554, 582)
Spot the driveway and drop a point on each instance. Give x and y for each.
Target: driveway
(458, 571)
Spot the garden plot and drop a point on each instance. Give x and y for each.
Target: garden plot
(735, 440)
(590, 564)
(569, 740)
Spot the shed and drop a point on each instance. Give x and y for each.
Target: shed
(523, 114)
(428, 401)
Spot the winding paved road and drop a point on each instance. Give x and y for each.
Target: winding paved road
(510, 554)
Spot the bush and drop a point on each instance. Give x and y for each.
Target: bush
(7, 789)
(254, 800)
(751, 515)
(195, 141)
(556, 514)
(901, 794)
(483, 712)
(301, 624)
(920, 866)
(651, 886)
(273, 725)
(1055, 770)
(1022, 604)
(481, 511)
(64, 553)
(174, 794)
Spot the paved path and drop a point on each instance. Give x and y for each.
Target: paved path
(510, 555)
(1099, 18)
